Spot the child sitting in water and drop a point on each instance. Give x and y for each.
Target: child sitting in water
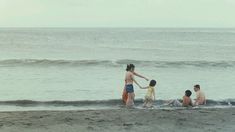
(150, 96)
(186, 100)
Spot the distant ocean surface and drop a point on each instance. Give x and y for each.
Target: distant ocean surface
(78, 64)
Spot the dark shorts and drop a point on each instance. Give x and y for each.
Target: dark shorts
(129, 88)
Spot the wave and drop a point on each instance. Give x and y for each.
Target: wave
(115, 63)
(46, 62)
(114, 102)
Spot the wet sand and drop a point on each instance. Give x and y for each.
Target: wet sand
(120, 120)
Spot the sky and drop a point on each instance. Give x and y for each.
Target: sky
(117, 13)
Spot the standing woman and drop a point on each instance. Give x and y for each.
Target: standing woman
(129, 79)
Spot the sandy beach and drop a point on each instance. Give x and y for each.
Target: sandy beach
(120, 120)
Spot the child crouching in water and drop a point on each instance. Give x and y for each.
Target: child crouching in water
(185, 102)
(150, 96)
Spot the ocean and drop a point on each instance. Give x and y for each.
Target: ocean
(43, 65)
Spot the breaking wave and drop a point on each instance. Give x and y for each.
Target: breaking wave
(113, 102)
(115, 63)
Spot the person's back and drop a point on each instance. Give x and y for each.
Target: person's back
(200, 96)
(187, 101)
(201, 99)
(150, 92)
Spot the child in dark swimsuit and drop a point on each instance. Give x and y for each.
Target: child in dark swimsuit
(186, 100)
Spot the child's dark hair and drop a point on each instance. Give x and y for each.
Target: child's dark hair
(197, 86)
(129, 67)
(188, 93)
(152, 83)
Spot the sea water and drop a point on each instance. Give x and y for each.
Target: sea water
(78, 64)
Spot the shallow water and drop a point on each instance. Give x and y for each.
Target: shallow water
(72, 64)
(30, 105)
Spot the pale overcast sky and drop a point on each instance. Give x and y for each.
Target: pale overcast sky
(117, 13)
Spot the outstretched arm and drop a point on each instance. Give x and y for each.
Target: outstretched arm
(144, 87)
(132, 77)
(138, 75)
(136, 83)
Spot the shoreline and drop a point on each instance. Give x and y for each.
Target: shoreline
(120, 120)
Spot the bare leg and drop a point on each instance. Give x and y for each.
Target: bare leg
(175, 103)
(133, 98)
(169, 102)
(128, 102)
(145, 103)
(150, 103)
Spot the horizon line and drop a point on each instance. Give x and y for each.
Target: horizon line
(119, 27)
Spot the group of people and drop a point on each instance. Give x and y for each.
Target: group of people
(128, 92)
